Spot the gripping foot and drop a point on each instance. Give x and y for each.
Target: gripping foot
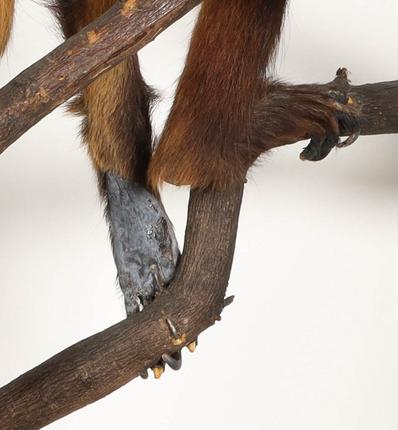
(145, 251)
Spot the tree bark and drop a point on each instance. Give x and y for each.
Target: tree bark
(122, 31)
(93, 368)
(378, 102)
(119, 33)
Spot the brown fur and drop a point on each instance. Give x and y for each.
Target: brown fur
(206, 139)
(116, 126)
(6, 20)
(311, 115)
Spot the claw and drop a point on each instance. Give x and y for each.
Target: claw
(155, 272)
(158, 370)
(349, 141)
(192, 346)
(174, 360)
(172, 329)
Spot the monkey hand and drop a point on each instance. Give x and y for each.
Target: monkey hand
(287, 114)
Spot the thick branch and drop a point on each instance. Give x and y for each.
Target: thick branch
(95, 367)
(122, 31)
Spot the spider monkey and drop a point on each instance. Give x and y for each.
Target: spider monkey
(226, 113)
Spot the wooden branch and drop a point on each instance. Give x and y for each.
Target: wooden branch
(95, 367)
(120, 32)
(378, 102)
(379, 107)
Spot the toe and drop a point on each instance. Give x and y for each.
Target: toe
(318, 149)
(173, 360)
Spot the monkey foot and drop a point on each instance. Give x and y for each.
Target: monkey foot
(290, 113)
(174, 361)
(144, 245)
(145, 251)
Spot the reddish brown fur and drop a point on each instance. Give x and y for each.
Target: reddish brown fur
(6, 19)
(206, 139)
(117, 126)
(310, 115)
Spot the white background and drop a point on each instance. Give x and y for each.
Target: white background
(311, 341)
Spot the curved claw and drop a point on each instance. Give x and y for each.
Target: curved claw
(350, 124)
(173, 360)
(349, 141)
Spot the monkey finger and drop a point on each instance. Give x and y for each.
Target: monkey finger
(144, 374)
(173, 360)
(318, 149)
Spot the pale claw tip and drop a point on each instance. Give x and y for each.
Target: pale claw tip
(192, 346)
(158, 371)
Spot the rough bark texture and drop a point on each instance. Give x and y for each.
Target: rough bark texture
(378, 102)
(121, 32)
(95, 367)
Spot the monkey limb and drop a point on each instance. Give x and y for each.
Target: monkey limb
(207, 130)
(117, 132)
(312, 114)
(226, 113)
(115, 107)
(6, 20)
(144, 244)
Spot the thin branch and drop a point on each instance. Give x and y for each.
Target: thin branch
(120, 32)
(95, 367)
(378, 102)
(374, 105)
